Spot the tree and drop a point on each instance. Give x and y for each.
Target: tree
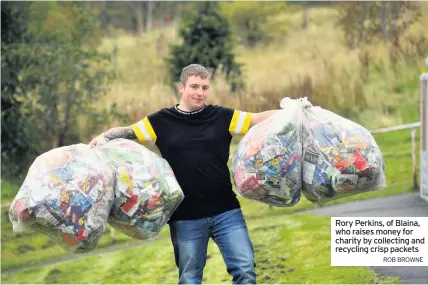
(207, 41)
(59, 76)
(136, 16)
(255, 22)
(13, 143)
(370, 22)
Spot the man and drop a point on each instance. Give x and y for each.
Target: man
(195, 138)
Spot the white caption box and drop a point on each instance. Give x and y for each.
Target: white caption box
(383, 241)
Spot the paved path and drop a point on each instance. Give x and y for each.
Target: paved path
(406, 205)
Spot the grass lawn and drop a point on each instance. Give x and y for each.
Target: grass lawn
(293, 249)
(8, 191)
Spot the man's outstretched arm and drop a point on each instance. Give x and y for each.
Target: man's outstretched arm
(114, 133)
(259, 117)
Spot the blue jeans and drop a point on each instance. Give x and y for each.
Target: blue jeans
(229, 231)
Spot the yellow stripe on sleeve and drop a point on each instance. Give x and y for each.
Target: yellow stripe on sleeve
(149, 129)
(144, 131)
(234, 121)
(138, 133)
(240, 123)
(247, 123)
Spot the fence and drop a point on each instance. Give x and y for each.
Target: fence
(413, 127)
(424, 133)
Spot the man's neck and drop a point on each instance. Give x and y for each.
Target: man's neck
(185, 108)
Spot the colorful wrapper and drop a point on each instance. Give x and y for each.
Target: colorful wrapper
(266, 165)
(67, 195)
(306, 149)
(146, 192)
(340, 157)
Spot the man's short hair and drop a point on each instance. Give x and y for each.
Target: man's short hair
(193, 70)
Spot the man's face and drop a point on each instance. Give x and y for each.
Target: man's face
(195, 92)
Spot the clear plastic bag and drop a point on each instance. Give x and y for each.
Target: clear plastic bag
(146, 193)
(340, 157)
(266, 165)
(67, 195)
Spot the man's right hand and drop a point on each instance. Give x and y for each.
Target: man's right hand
(114, 133)
(99, 140)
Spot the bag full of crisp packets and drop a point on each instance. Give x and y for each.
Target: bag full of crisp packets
(146, 192)
(306, 149)
(266, 165)
(340, 157)
(67, 195)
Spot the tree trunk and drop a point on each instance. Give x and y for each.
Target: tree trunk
(163, 13)
(177, 12)
(305, 15)
(395, 14)
(384, 23)
(149, 23)
(138, 8)
(104, 17)
(70, 102)
(362, 20)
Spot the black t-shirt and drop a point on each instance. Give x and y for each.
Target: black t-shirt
(196, 145)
